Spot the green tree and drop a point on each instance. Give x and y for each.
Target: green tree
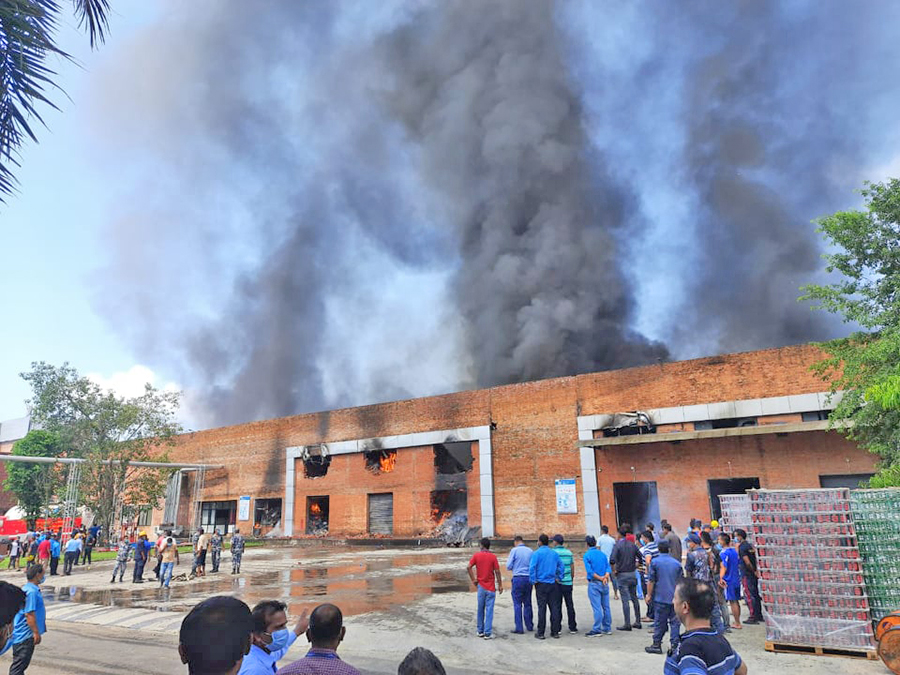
(866, 365)
(108, 431)
(34, 484)
(27, 40)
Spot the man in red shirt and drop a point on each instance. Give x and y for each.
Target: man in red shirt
(44, 552)
(488, 572)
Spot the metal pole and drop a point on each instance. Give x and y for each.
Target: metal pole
(78, 460)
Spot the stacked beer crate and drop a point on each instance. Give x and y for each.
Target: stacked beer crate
(811, 578)
(876, 515)
(735, 513)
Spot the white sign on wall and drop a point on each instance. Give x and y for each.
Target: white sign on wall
(244, 507)
(566, 501)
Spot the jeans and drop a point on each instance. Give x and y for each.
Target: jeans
(548, 596)
(724, 608)
(22, 654)
(521, 597)
(664, 617)
(138, 569)
(119, 569)
(54, 565)
(628, 592)
(165, 573)
(598, 594)
(485, 614)
(751, 593)
(565, 594)
(70, 558)
(716, 621)
(86, 557)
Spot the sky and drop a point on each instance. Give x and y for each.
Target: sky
(51, 235)
(329, 204)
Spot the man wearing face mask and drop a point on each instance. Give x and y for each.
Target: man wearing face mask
(12, 599)
(271, 638)
(31, 622)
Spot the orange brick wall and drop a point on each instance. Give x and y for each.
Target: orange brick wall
(682, 469)
(348, 484)
(533, 443)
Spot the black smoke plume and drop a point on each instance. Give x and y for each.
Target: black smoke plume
(561, 173)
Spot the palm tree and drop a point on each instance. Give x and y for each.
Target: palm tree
(27, 39)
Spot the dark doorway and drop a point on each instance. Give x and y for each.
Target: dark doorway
(845, 480)
(381, 513)
(637, 504)
(727, 486)
(317, 515)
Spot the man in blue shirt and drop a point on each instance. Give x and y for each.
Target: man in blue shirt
(518, 562)
(270, 639)
(544, 568)
(73, 550)
(662, 577)
(55, 550)
(31, 622)
(730, 578)
(596, 564)
(701, 651)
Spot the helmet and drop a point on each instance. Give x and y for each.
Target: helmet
(714, 523)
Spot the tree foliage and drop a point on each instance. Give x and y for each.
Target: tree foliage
(108, 431)
(35, 484)
(866, 365)
(27, 40)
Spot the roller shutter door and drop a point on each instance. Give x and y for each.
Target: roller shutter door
(381, 514)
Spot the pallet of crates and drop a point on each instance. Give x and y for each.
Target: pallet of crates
(876, 515)
(811, 579)
(735, 513)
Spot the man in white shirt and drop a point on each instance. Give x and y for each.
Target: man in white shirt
(605, 543)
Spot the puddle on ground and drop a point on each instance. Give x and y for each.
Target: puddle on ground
(374, 583)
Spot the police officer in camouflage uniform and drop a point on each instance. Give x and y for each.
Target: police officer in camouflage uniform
(123, 553)
(237, 551)
(215, 547)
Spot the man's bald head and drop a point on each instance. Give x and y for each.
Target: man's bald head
(326, 627)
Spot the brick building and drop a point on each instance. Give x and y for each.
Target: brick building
(501, 456)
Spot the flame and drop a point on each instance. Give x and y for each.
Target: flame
(315, 509)
(387, 461)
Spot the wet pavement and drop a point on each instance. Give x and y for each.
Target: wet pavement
(358, 581)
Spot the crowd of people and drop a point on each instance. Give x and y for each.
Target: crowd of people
(687, 584)
(46, 548)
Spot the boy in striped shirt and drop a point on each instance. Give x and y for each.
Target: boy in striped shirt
(701, 650)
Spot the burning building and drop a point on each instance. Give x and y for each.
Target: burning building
(562, 455)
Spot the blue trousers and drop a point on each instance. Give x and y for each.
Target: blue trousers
(598, 594)
(485, 615)
(165, 573)
(716, 621)
(664, 618)
(521, 597)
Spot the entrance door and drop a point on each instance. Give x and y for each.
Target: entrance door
(727, 486)
(381, 513)
(637, 504)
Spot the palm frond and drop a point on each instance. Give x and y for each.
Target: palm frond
(93, 14)
(26, 38)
